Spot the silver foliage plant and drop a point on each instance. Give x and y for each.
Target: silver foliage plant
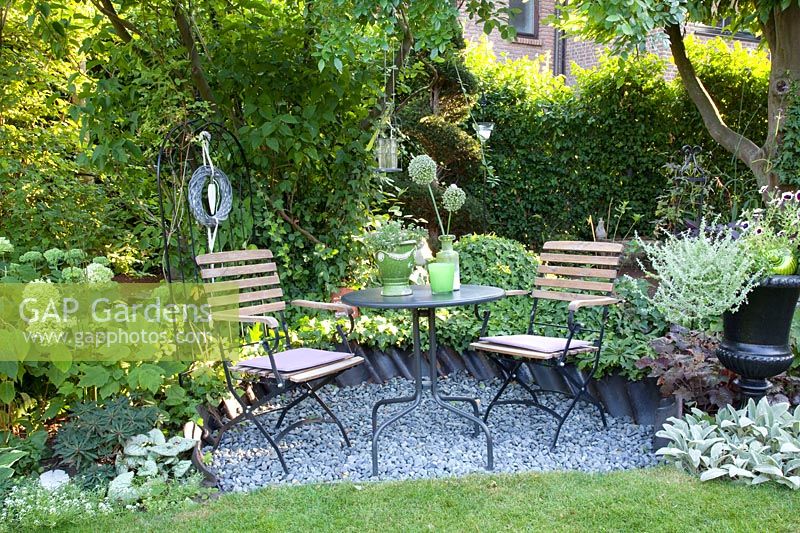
(757, 444)
(150, 459)
(700, 277)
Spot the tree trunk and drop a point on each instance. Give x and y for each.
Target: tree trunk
(782, 33)
(743, 148)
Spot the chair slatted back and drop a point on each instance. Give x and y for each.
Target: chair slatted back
(247, 277)
(569, 266)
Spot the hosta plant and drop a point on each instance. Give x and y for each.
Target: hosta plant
(757, 444)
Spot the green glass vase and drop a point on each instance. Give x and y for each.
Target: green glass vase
(448, 255)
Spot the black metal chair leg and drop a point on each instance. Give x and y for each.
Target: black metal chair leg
(285, 410)
(313, 394)
(494, 401)
(563, 419)
(274, 445)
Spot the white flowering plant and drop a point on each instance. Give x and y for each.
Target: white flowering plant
(422, 171)
(702, 276)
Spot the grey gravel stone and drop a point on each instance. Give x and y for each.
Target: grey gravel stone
(430, 442)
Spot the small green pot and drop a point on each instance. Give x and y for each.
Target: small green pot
(395, 267)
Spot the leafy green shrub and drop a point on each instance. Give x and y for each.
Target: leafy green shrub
(593, 144)
(757, 444)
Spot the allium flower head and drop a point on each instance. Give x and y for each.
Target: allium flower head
(422, 170)
(453, 198)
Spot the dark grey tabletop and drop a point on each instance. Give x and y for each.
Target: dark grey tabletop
(422, 298)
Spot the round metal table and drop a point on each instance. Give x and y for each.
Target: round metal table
(423, 302)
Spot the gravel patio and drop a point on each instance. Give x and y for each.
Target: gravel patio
(429, 443)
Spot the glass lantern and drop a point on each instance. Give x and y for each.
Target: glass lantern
(386, 153)
(484, 130)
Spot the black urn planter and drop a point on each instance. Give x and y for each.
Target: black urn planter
(755, 341)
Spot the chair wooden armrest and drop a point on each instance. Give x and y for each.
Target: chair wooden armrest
(225, 316)
(517, 292)
(325, 306)
(574, 305)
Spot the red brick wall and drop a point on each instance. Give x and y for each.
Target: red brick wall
(522, 46)
(583, 53)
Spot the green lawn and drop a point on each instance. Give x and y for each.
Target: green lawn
(660, 499)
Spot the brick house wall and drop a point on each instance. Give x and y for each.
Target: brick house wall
(560, 55)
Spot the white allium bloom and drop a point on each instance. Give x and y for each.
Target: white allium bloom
(53, 479)
(97, 273)
(422, 170)
(453, 198)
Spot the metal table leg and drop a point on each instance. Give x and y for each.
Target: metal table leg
(442, 400)
(416, 398)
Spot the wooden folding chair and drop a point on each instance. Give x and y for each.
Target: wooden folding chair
(243, 287)
(567, 267)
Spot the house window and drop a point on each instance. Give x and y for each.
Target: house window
(526, 21)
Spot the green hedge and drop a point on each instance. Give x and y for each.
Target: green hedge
(563, 153)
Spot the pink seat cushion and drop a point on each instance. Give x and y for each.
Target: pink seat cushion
(296, 359)
(536, 343)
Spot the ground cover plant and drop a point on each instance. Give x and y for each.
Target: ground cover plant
(757, 444)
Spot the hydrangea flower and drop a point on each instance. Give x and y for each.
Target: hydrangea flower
(74, 256)
(422, 170)
(73, 275)
(5, 246)
(31, 257)
(54, 256)
(97, 273)
(101, 260)
(453, 198)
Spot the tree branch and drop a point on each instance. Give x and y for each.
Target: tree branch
(293, 223)
(122, 27)
(743, 148)
(187, 38)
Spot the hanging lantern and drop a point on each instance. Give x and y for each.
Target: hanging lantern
(386, 153)
(484, 130)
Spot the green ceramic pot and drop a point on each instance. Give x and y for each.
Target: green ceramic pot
(394, 268)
